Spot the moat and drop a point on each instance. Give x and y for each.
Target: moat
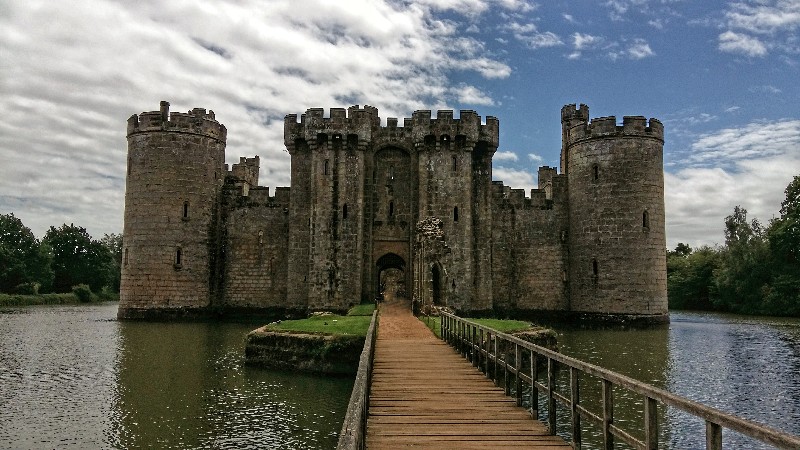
(74, 377)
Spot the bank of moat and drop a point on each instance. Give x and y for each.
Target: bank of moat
(411, 202)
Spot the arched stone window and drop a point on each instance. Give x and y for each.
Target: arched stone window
(596, 172)
(455, 214)
(595, 270)
(178, 257)
(455, 163)
(325, 169)
(186, 210)
(391, 209)
(645, 220)
(344, 211)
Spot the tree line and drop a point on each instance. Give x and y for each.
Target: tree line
(67, 257)
(756, 271)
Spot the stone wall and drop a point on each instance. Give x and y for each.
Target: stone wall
(617, 261)
(588, 240)
(257, 252)
(175, 172)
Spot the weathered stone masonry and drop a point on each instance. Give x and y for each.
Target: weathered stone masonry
(201, 238)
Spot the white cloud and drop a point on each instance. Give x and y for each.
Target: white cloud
(529, 34)
(582, 41)
(639, 49)
(471, 95)
(535, 158)
(741, 43)
(756, 27)
(732, 109)
(505, 156)
(569, 18)
(517, 179)
(765, 17)
(73, 72)
(749, 166)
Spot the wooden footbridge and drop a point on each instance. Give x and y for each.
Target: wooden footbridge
(415, 390)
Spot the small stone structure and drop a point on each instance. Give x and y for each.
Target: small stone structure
(417, 197)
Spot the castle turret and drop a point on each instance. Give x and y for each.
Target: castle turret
(175, 173)
(616, 214)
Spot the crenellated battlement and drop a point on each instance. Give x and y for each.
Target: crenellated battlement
(575, 113)
(196, 121)
(577, 126)
(246, 170)
(364, 123)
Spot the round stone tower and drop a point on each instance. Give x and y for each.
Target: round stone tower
(176, 167)
(617, 244)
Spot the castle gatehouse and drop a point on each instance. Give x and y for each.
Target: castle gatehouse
(409, 207)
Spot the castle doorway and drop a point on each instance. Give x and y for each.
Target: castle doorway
(391, 279)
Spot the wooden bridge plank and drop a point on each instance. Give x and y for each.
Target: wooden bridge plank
(425, 395)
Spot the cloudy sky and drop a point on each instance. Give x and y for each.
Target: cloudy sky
(721, 76)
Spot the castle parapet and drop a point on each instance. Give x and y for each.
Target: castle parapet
(576, 121)
(365, 123)
(197, 121)
(246, 170)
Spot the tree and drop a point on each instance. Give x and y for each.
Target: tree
(690, 277)
(77, 259)
(745, 270)
(24, 262)
(783, 295)
(113, 243)
(784, 232)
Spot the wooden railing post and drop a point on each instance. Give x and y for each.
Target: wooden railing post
(517, 370)
(506, 383)
(551, 399)
(713, 436)
(608, 414)
(534, 389)
(650, 424)
(574, 401)
(496, 379)
(486, 360)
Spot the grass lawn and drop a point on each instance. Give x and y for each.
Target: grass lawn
(355, 323)
(48, 299)
(505, 326)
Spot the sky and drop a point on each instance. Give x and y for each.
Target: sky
(720, 75)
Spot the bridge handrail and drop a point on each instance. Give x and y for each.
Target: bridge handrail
(468, 337)
(354, 428)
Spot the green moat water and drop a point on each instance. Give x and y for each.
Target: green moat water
(74, 377)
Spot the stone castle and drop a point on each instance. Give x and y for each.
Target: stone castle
(410, 204)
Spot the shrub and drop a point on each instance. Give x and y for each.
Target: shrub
(83, 293)
(27, 289)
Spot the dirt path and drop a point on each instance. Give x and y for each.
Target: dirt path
(397, 322)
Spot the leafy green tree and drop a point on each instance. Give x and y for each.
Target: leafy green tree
(783, 295)
(745, 270)
(784, 232)
(24, 261)
(690, 277)
(77, 259)
(113, 242)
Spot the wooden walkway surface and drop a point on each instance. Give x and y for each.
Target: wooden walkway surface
(425, 395)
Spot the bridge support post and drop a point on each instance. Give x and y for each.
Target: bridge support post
(574, 388)
(713, 436)
(534, 388)
(608, 414)
(651, 424)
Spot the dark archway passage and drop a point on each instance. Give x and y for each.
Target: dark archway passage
(390, 280)
(436, 282)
